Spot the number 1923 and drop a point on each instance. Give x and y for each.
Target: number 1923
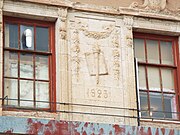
(98, 93)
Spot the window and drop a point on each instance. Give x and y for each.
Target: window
(156, 58)
(28, 64)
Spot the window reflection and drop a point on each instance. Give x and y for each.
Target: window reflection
(11, 90)
(10, 64)
(25, 32)
(42, 94)
(152, 51)
(42, 71)
(42, 39)
(26, 66)
(11, 35)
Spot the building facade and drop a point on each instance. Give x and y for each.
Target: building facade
(89, 67)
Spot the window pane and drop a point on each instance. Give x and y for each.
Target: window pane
(11, 35)
(152, 51)
(156, 105)
(170, 106)
(166, 53)
(153, 78)
(26, 93)
(142, 78)
(11, 90)
(42, 94)
(26, 66)
(42, 39)
(139, 49)
(10, 64)
(167, 80)
(27, 37)
(144, 104)
(42, 71)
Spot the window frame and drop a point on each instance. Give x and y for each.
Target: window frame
(51, 60)
(175, 67)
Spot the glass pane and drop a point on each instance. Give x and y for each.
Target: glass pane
(144, 104)
(26, 93)
(42, 71)
(142, 78)
(139, 49)
(42, 94)
(11, 35)
(152, 51)
(27, 37)
(156, 105)
(10, 64)
(11, 90)
(170, 106)
(26, 66)
(166, 53)
(42, 39)
(167, 80)
(153, 78)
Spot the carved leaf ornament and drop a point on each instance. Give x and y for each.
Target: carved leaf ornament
(151, 4)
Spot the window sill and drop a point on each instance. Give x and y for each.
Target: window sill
(30, 114)
(26, 109)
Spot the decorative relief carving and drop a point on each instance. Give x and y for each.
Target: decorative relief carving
(128, 22)
(62, 30)
(115, 41)
(99, 35)
(95, 59)
(157, 5)
(116, 55)
(75, 53)
(107, 30)
(116, 64)
(96, 62)
(62, 12)
(129, 37)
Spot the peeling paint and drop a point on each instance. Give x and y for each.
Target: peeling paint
(9, 131)
(54, 127)
(118, 129)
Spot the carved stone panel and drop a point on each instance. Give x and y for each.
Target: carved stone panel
(95, 54)
(99, 62)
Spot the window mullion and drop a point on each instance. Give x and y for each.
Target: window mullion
(147, 86)
(146, 74)
(145, 47)
(162, 94)
(159, 47)
(19, 65)
(160, 77)
(34, 70)
(34, 86)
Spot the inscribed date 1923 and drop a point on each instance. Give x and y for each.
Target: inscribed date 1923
(100, 93)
